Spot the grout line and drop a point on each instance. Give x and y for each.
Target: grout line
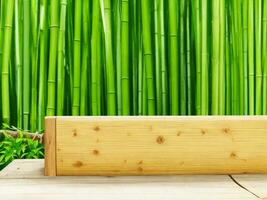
(243, 187)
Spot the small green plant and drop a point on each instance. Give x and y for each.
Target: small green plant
(20, 147)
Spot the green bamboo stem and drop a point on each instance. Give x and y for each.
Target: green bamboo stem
(173, 58)
(140, 80)
(60, 59)
(26, 64)
(264, 58)
(85, 58)
(95, 59)
(228, 91)
(119, 55)
(101, 72)
(134, 56)
(51, 87)
(221, 89)
(197, 31)
(1, 49)
(245, 53)
(182, 53)
(8, 26)
(18, 54)
(125, 83)
(163, 58)
(77, 58)
(148, 56)
(258, 56)
(34, 64)
(215, 56)
(144, 88)
(43, 63)
(234, 61)
(140, 62)
(188, 61)
(110, 69)
(204, 61)
(70, 57)
(251, 71)
(239, 60)
(157, 46)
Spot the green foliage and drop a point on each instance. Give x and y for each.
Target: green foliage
(18, 148)
(138, 57)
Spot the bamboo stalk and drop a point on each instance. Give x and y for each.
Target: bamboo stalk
(77, 58)
(110, 70)
(163, 58)
(215, 56)
(34, 63)
(119, 55)
(204, 61)
(198, 45)
(251, 71)
(245, 53)
(8, 26)
(60, 59)
(221, 89)
(228, 110)
(26, 63)
(51, 101)
(85, 58)
(173, 58)
(18, 52)
(148, 61)
(157, 45)
(258, 56)
(1, 49)
(133, 19)
(182, 53)
(43, 63)
(188, 61)
(125, 85)
(70, 57)
(264, 58)
(95, 59)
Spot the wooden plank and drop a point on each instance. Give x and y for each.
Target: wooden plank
(50, 146)
(161, 145)
(256, 183)
(71, 188)
(28, 183)
(23, 168)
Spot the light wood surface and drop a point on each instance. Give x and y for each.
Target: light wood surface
(161, 145)
(24, 169)
(254, 182)
(50, 146)
(23, 179)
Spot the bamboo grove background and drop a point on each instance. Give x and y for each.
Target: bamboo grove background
(131, 57)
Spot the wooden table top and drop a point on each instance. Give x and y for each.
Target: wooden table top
(24, 179)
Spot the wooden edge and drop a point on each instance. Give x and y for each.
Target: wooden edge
(50, 146)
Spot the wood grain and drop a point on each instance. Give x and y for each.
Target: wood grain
(161, 145)
(50, 146)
